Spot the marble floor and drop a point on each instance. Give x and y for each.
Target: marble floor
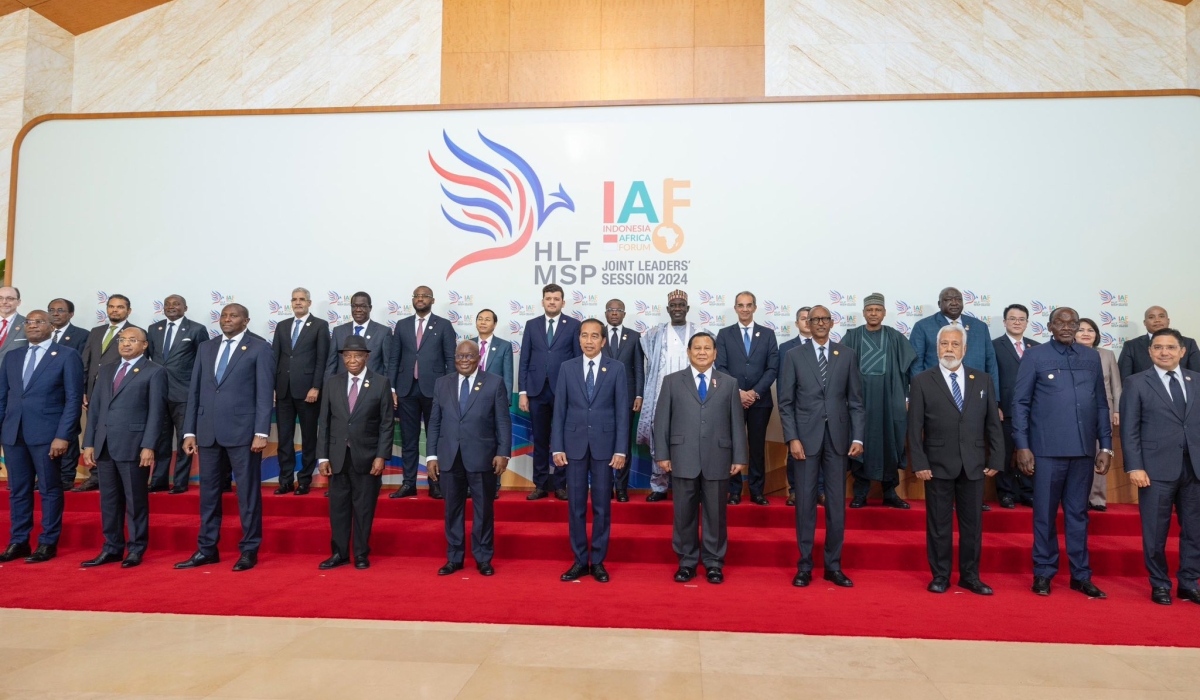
(47, 654)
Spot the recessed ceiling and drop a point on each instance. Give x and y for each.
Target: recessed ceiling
(79, 16)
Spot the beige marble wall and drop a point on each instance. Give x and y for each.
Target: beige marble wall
(840, 47)
(245, 54)
(1193, 44)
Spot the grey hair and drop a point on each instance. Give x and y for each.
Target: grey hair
(307, 294)
(952, 329)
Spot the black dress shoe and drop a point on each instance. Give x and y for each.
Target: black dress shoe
(656, 496)
(178, 490)
(1007, 502)
(284, 489)
(326, 494)
(733, 499)
(622, 496)
(362, 563)
(131, 561)
(536, 495)
(1162, 596)
(333, 562)
(1087, 588)
(1098, 508)
(247, 561)
(104, 558)
(791, 499)
(68, 485)
(450, 567)
(1191, 595)
(435, 491)
(760, 500)
(404, 491)
(858, 502)
(43, 553)
(684, 574)
(896, 502)
(576, 572)
(975, 586)
(485, 569)
(155, 489)
(560, 494)
(198, 559)
(1025, 501)
(714, 575)
(838, 578)
(987, 508)
(802, 579)
(599, 573)
(15, 551)
(92, 483)
(302, 490)
(938, 585)
(1041, 585)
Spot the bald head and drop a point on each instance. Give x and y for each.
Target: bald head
(1156, 319)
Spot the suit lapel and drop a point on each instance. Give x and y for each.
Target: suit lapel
(941, 382)
(129, 375)
(1157, 387)
(362, 393)
(41, 365)
(601, 373)
(235, 351)
(475, 387)
(809, 358)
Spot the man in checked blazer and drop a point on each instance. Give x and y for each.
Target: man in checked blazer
(301, 348)
(174, 343)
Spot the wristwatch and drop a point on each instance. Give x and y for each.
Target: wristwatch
(1108, 452)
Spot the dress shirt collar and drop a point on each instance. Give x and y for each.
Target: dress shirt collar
(1162, 376)
(236, 339)
(708, 374)
(469, 378)
(42, 345)
(1063, 348)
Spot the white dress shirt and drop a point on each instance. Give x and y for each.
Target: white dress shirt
(959, 376)
(1162, 376)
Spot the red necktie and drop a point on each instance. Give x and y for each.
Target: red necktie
(3, 330)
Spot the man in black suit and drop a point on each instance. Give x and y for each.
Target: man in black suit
(1013, 486)
(1159, 427)
(174, 344)
(954, 440)
(625, 346)
(1135, 354)
(61, 311)
(301, 348)
(377, 336)
(748, 352)
(128, 409)
(824, 421)
(354, 441)
(803, 336)
(99, 351)
(228, 421)
(471, 431)
(422, 352)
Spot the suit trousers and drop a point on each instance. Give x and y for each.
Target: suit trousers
(25, 464)
(455, 481)
(1011, 482)
(891, 479)
(756, 436)
(246, 466)
(1065, 480)
(943, 497)
(579, 472)
(541, 414)
(287, 411)
(693, 541)
(68, 462)
(791, 476)
(1155, 503)
(621, 476)
(124, 504)
(833, 466)
(172, 427)
(353, 493)
(413, 410)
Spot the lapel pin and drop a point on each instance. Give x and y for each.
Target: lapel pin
(243, 347)
(967, 327)
(756, 334)
(970, 376)
(367, 384)
(624, 337)
(368, 337)
(53, 353)
(1188, 378)
(137, 369)
(67, 338)
(835, 352)
(603, 369)
(1049, 376)
(308, 324)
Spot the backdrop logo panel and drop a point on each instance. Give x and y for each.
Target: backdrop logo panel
(1107, 298)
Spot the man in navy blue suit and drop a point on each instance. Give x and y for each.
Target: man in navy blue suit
(470, 441)
(63, 332)
(548, 341)
(228, 421)
(748, 352)
(41, 397)
(1060, 412)
(128, 410)
(589, 438)
(980, 353)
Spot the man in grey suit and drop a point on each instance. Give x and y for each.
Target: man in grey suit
(625, 346)
(377, 337)
(12, 324)
(173, 344)
(1159, 427)
(101, 349)
(700, 440)
(821, 409)
(63, 332)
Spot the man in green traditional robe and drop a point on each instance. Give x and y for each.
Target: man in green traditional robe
(885, 361)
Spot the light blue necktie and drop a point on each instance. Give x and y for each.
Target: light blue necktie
(295, 331)
(746, 339)
(30, 366)
(464, 393)
(703, 387)
(958, 398)
(591, 379)
(224, 361)
(357, 331)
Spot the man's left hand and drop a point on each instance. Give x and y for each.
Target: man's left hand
(146, 457)
(637, 404)
(618, 462)
(1103, 462)
(313, 395)
(737, 469)
(58, 448)
(259, 444)
(747, 398)
(990, 472)
(499, 465)
(377, 466)
(855, 449)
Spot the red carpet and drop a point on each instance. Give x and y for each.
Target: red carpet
(884, 554)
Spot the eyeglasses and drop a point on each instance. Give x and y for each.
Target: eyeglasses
(820, 319)
(466, 358)
(128, 341)
(613, 309)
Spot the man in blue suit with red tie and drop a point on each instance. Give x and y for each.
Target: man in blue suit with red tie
(548, 341)
(589, 439)
(41, 397)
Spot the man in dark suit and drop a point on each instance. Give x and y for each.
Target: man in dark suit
(954, 440)
(802, 337)
(625, 346)
(980, 353)
(174, 344)
(589, 438)
(422, 352)
(748, 352)
(228, 421)
(301, 348)
(354, 441)
(376, 335)
(1135, 354)
(824, 421)
(548, 341)
(1012, 485)
(62, 332)
(12, 324)
(471, 431)
(1060, 412)
(102, 350)
(1159, 427)
(700, 440)
(41, 392)
(128, 410)
(495, 354)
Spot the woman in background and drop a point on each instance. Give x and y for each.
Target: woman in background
(1089, 335)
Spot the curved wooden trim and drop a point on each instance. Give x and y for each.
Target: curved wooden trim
(16, 147)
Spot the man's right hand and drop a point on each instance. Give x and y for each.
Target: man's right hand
(924, 474)
(189, 445)
(324, 469)
(523, 403)
(431, 466)
(1139, 478)
(796, 449)
(560, 459)
(1025, 462)
(89, 457)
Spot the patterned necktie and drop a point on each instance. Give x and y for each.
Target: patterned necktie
(420, 335)
(1177, 394)
(170, 337)
(223, 363)
(613, 343)
(822, 363)
(358, 330)
(120, 376)
(30, 366)
(550, 333)
(57, 333)
(1020, 349)
(464, 393)
(3, 330)
(353, 397)
(703, 388)
(483, 354)
(958, 396)
(746, 339)
(295, 330)
(107, 339)
(590, 382)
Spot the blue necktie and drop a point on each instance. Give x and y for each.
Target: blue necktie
(1177, 394)
(550, 333)
(358, 330)
(591, 379)
(958, 399)
(224, 361)
(295, 330)
(746, 339)
(170, 337)
(822, 363)
(703, 387)
(464, 393)
(30, 366)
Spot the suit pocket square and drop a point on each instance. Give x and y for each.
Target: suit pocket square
(186, 340)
